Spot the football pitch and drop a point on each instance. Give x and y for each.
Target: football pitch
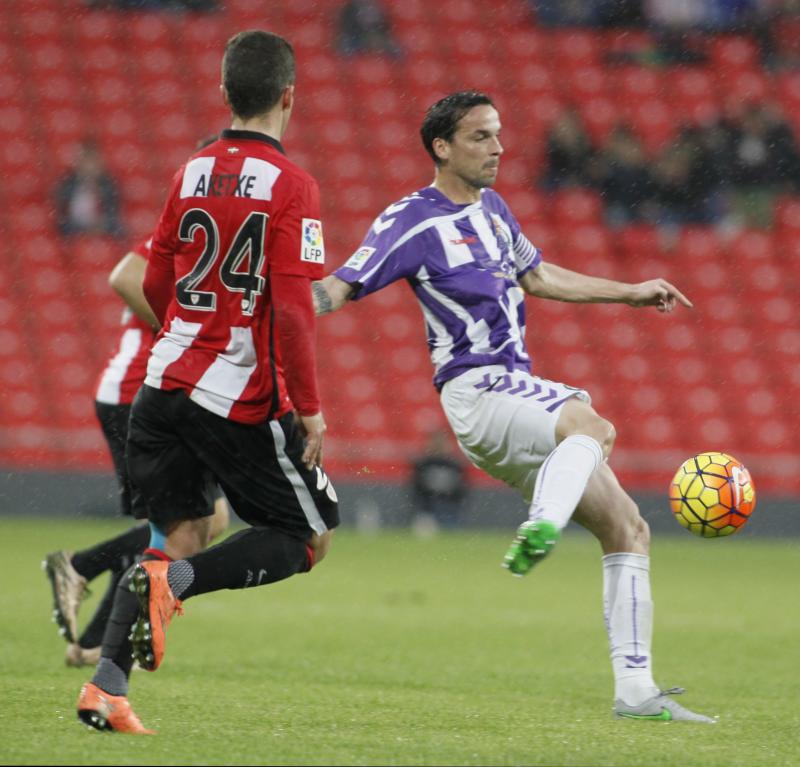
(401, 650)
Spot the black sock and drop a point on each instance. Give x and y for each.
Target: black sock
(111, 554)
(116, 645)
(92, 635)
(252, 557)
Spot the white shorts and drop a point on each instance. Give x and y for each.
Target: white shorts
(506, 422)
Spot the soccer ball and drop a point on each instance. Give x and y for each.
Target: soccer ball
(712, 495)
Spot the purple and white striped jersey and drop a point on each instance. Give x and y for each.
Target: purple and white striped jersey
(463, 263)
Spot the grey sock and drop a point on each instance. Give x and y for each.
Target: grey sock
(110, 677)
(180, 575)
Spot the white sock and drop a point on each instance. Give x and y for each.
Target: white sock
(563, 477)
(628, 609)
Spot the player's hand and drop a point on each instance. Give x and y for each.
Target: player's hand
(313, 428)
(658, 293)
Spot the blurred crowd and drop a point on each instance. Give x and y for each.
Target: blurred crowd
(728, 171)
(680, 27)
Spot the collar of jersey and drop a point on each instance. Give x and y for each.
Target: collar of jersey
(229, 134)
(432, 193)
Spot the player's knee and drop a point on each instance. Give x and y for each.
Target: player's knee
(579, 417)
(320, 545)
(601, 430)
(609, 438)
(220, 520)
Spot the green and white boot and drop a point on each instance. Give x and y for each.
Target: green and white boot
(660, 708)
(534, 541)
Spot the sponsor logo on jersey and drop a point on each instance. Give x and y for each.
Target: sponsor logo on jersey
(465, 241)
(359, 258)
(313, 248)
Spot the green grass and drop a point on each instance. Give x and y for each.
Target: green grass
(404, 651)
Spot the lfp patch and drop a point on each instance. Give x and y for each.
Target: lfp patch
(359, 258)
(313, 248)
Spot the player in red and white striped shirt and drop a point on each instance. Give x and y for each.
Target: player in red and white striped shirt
(231, 388)
(69, 572)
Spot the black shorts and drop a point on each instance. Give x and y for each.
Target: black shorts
(176, 448)
(114, 422)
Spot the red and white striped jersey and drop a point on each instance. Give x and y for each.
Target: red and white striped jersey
(125, 371)
(238, 212)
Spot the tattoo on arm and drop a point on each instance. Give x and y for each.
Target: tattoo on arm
(322, 300)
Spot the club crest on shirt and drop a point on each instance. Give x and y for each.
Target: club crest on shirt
(312, 247)
(501, 232)
(359, 258)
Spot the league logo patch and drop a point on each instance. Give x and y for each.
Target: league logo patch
(312, 248)
(359, 258)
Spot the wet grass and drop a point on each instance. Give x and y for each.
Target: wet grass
(400, 650)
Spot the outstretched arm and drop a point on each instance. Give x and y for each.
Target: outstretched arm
(559, 284)
(330, 294)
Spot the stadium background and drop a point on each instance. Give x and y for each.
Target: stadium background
(144, 84)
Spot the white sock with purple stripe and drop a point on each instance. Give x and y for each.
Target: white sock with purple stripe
(628, 609)
(563, 477)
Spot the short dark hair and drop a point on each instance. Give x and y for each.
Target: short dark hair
(441, 120)
(256, 68)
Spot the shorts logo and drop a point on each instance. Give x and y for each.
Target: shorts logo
(312, 247)
(359, 258)
(323, 483)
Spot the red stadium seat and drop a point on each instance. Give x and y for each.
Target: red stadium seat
(730, 53)
(652, 120)
(419, 42)
(534, 78)
(470, 44)
(693, 95)
(585, 246)
(587, 81)
(477, 74)
(525, 43)
(638, 240)
(456, 13)
(751, 247)
(698, 243)
(632, 84)
(600, 114)
(409, 12)
(576, 206)
(743, 87)
(575, 48)
(787, 215)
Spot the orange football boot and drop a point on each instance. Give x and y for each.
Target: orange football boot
(102, 711)
(157, 605)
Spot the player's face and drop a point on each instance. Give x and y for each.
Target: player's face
(474, 152)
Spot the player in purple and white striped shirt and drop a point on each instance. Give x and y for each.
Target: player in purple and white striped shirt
(461, 250)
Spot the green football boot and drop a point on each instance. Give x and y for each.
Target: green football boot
(534, 541)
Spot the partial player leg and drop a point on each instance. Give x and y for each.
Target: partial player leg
(253, 557)
(583, 439)
(86, 651)
(68, 588)
(608, 512)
